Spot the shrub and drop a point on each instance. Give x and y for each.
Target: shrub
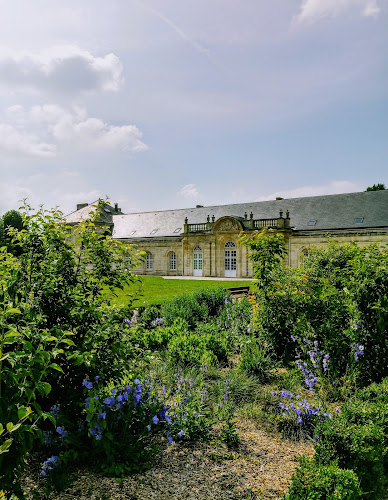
(196, 307)
(257, 360)
(323, 482)
(357, 447)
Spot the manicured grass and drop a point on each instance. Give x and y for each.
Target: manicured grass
(156, 290)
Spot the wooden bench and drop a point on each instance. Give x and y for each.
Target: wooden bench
(238, 291)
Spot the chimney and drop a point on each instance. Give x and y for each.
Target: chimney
(81, 205)
(279, 198)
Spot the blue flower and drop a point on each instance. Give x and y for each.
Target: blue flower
(96, 378)
(49, 464)
(148, 427)
(61, 431)
(87, 384)
(170, 440)
(155, 420)
(181, 433)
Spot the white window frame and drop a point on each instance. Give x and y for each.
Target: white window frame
(172, 259)
(149, 262)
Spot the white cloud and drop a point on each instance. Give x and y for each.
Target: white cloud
(11, 196)
(17, 143)
(189, 191)
(313, 10)
(335, 187)
(59, 125)
(64, 68)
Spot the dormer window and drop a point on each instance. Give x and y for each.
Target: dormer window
(153, 231)
(132, 233)
(312, 222)
(359, 220)
(178, 230)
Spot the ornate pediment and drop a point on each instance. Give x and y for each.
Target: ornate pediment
(227, 224)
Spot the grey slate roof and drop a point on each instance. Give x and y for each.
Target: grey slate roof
(85, 213)
(337, 211)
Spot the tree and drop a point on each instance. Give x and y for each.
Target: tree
(376, 187)
(266, 250)
(11, 221)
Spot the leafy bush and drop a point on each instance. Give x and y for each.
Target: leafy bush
(205, 345)
(196, 307)
(323, 482)
(337, 297)
(356, 447)
(256, 359)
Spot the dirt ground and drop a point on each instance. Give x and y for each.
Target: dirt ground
(260, 468)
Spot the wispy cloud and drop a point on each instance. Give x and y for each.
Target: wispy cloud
(62, 68)
(53, 125)
(312, 11)
(189, 191)
(175, 28)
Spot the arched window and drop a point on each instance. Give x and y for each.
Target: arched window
(197, 261)
(230, 259)
(149, 261)
(172, 261)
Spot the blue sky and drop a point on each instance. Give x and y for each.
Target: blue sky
(163, 104)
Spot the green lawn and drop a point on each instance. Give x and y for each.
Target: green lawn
(156, 290)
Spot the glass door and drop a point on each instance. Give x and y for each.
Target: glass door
(230, 260)
(197, 261)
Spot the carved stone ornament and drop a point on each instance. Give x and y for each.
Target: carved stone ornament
(228, 225)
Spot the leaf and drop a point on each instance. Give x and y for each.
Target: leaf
(55, 366)
(68, 333)
(50, 417)
(15, 427)
(13, 310)
(9, 426)
(4, 357)
(23, 412)
(67, 341)
(44, 388)
(12, 334)
(1, 429)
(4, 447)
(51, 338)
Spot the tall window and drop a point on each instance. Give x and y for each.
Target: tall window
(197, 261)
(230, 259)
(149, 261)
(172, 261)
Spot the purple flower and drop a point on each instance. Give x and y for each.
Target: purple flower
(155, 420)
(181, 433)
(170, 440)
(96, 378)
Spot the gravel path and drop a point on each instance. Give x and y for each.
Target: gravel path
(261, 468)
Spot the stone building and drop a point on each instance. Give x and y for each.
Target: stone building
(203, 241)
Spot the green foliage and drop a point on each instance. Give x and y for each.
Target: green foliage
(196, 307)
(359, 447)
(187, 348)
(55, 324)
(10, 222)
(338, 297)
(256, 359)
(376, 187)
(266, 250)
(323, 482)
(206, 345)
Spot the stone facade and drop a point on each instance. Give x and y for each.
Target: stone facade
(203, 241)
